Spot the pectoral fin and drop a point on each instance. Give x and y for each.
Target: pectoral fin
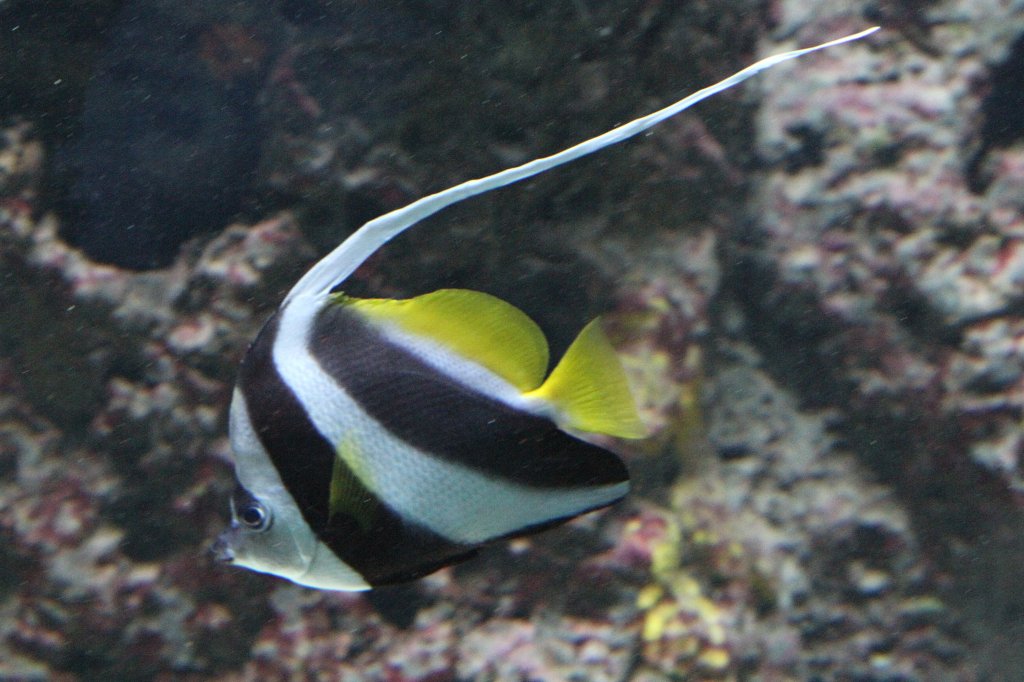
(349, 495)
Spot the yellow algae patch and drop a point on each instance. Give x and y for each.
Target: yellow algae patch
(685, 588)
(665, 555)
(686, 628)
(649, 596)
(657, 621)
(715, 658)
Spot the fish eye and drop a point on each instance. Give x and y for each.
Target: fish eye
(254, 516)
(249, 511)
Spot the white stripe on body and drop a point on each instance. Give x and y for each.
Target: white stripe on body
(470, 374)
(460, 504)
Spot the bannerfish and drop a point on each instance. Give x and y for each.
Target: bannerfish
(376, 440)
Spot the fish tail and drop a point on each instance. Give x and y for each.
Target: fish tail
(588, 388)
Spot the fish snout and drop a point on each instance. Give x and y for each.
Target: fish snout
(222, 548)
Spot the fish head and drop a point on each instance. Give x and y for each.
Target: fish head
(267, 535)
(263, 537)
(267, 532)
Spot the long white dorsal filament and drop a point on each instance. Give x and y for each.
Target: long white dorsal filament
(336, 266)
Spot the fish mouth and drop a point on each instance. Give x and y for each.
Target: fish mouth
(221, 548)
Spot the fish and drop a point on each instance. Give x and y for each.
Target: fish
(376, 441)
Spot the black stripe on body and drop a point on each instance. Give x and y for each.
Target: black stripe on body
(382, 546)
(436, 414)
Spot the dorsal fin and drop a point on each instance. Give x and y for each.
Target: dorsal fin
(336, 266)
(589, 388)
(477, 326)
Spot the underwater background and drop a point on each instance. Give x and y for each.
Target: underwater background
(815, 282)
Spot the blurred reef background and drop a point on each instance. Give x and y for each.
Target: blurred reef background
(816, 283)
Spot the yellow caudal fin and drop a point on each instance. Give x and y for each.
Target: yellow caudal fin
(589, 388)
(477, 326)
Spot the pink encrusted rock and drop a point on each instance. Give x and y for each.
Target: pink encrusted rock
(888, 268)
(876, 216)
(105, 519)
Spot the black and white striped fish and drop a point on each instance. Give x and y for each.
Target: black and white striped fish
(377, 440)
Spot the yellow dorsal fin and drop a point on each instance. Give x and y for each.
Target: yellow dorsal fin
(589, 388)
(477, 326)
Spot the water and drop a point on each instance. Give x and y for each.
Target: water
(812, 282)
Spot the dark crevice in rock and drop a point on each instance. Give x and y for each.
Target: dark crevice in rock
(1002, 116)
(963, 514)
(949, 495)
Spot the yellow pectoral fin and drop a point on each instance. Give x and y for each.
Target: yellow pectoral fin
(589, 388)
(348, 494)
(477, 326)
